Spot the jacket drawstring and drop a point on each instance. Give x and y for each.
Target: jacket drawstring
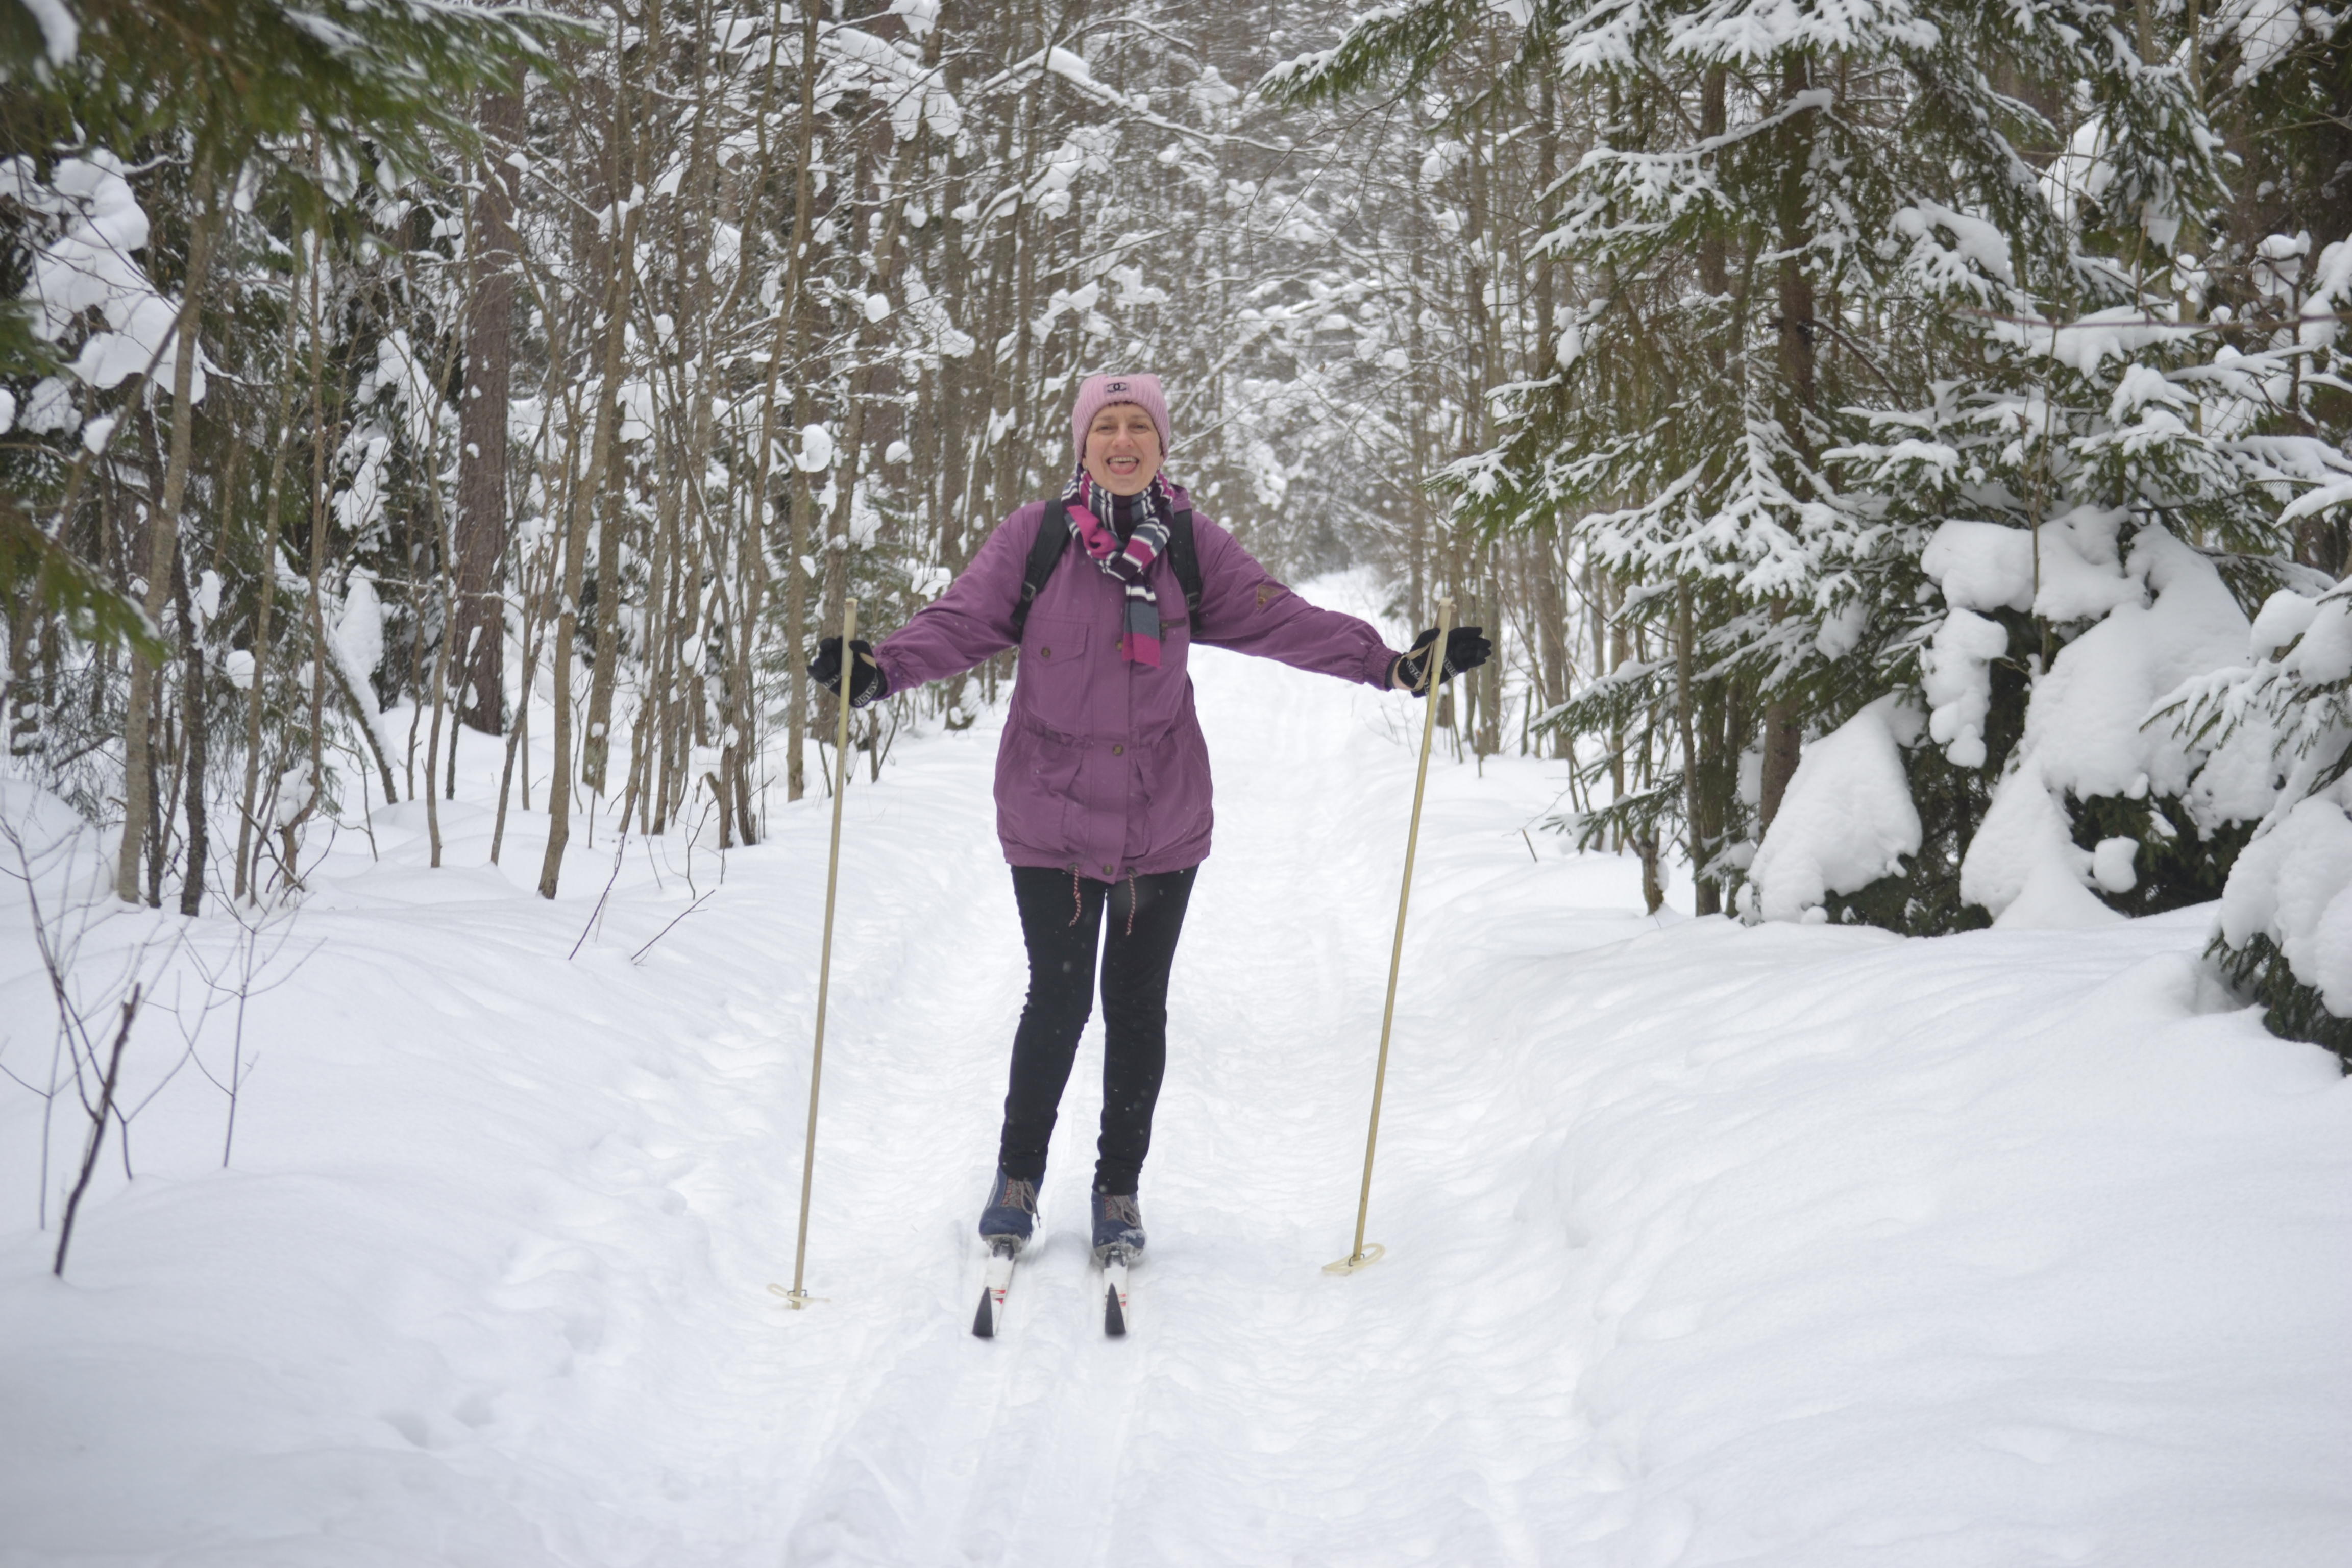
(1079, 901)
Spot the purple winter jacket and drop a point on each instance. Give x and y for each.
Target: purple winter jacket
(1103, 770)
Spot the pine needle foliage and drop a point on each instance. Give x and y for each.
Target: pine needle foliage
(1826, 270)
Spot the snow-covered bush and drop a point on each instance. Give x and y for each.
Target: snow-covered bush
(1847, 821)
(2103, 506)
(2279, 727)
(2287, 925)
(2091, 762)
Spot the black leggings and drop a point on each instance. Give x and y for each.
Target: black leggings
(1060, 915)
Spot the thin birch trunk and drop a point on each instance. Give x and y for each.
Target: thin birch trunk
(265, 541)
(617, 307)
(138, 801)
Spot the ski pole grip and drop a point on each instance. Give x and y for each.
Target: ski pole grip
(1435, 669)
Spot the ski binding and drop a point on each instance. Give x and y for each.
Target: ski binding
(1114, 1268)
(1002, 1250)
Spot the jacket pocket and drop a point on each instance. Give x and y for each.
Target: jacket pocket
(1173, 792)
(1037, 788)
(1161, 696)
(1053, 673)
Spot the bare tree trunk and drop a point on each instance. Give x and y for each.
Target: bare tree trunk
(1618, 654)
(482, 413)
(191, 724)
(645, 735)
(441, 660)
(790, 343)
(1782, 742)
(604, 625)
(139, 803)
(751, 567)
(1418, 595)
(605, 628)
(567, 623)
(518, 737)
(266, 549)
(584, 497)
(1712, 274)
(1705, 897)
(319, 654)
(1490, 677)
(1782, 718)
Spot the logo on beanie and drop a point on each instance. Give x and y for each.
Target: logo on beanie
(1116, 386)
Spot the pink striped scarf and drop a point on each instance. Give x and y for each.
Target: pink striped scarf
(1088, 506)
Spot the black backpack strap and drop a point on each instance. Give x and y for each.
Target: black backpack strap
(1045, 554)
(1186, 560)
(1054, 538)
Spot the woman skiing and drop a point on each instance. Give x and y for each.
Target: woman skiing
(1102, 777)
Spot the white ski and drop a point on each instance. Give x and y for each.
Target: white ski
(1002, 1254)
(1115, 1291)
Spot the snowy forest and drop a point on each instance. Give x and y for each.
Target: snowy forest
(1918, 429)
(1871, 985)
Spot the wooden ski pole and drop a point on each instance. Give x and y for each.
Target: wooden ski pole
(1431, 679)
(797, 1297)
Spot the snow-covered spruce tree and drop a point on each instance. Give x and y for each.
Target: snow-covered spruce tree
(2108, 481)
(184, 133)
(1791, 246)
(1722, 305)
(42, 579)
(2280, 728)
(2103, 515)
(2286, 717)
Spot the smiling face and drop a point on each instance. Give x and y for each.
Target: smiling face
(1123, 449)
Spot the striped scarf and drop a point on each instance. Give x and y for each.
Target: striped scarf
(1089, 507)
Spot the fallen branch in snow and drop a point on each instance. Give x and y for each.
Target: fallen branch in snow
(664, 931)
(596, 912)
(98, 1116)
(59, 936)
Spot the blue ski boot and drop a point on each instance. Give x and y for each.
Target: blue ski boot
(1118, 1225)
(1011, 1213)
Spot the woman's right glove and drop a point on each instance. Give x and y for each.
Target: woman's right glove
(1467, 649)
(867, 685)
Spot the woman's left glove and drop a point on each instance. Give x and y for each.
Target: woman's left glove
(1467, 649)
(869, 683)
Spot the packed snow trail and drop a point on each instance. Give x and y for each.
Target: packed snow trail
(1791, 1246)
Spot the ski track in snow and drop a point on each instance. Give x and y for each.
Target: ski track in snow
(1790, 1246)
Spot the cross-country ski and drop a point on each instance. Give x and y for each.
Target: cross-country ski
(995, 1282)
(1114, 1275)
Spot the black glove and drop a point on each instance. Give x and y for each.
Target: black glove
(868, 685)
(1467, 649)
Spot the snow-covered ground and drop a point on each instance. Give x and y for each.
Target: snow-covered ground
(1706, 1244)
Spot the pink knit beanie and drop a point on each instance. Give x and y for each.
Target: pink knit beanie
(1097, 393)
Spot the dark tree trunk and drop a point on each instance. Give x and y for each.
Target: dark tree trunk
(1782, 738)
(1797, 332)
(1781, 717)
(192, 719)
(482, 424)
